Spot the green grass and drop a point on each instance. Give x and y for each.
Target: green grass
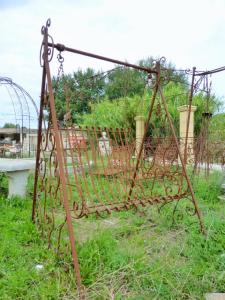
(129, 255)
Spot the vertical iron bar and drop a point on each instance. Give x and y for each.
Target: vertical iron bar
(182, 163)
(145, 132)
(63, 179)
(61, 166)
(38, 144)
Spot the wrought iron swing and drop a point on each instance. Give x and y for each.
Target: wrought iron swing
(81, 171)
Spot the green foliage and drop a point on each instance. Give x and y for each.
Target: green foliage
(3, 184)
(217, 127)
(9, 125)
(200, 100)
(21, 249)
(176, 94)
(124, 82)
(131, 255)
(208, 188)
(115, 98)
(81, 88)
(84, 88)
(168, 70)
(119, 113)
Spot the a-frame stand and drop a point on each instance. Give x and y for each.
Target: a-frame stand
(52, 185)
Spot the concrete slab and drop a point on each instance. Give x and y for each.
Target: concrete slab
(11, 165)
(215, 296)
(215, 167)
(222, 198)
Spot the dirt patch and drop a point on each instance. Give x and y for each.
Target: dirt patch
(87, 228)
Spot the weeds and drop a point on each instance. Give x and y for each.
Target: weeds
(131, 255)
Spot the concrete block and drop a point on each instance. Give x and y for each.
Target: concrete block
(215, 296)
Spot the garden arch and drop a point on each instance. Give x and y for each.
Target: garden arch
(21, 113)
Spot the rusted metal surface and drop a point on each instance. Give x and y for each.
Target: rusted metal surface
(54, 134)
(81, 171)
(209, 155)
(208, 150)
(61, 48)
(197, 210)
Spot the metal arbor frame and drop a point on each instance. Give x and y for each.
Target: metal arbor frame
(53, 185)
(206, 150)
(23, 109)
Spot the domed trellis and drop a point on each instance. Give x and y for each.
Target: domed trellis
(20, 113)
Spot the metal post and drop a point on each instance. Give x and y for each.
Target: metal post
(145, 133)
(61, 168)
(183, 164)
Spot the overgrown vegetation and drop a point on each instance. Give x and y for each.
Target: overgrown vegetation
(113, 99)
(129, 255)
(217, 127)
(121, 112)
(3, 185)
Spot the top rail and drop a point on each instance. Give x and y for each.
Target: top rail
(61, 47)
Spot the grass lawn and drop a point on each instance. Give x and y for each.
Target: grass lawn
(129, 255)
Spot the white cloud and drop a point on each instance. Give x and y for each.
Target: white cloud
(189, 33)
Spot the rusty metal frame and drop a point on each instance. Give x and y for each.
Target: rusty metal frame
(47, 76)
(206, 150)
(61, 170)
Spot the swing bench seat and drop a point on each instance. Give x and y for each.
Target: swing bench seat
(118, 162)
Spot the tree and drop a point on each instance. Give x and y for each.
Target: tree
(81, 88)
(85, 87)
(124, 82)
(168, 70)
(217, 127)
(9, 125)
(113, 100)
(121, 112)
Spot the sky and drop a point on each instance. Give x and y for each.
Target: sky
(187, 32)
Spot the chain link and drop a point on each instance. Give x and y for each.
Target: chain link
(67, 117)
(60, 69)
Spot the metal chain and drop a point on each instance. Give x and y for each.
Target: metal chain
(67, 116)
(60, 69)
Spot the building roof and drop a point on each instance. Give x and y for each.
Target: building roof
(16, 130)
